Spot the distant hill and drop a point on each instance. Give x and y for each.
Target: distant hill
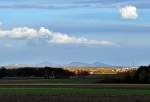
(49, 64)
(80, 64)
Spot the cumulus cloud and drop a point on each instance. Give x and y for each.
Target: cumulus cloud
(21, 33)
(65, 39)
(52, 37)
(129, 12)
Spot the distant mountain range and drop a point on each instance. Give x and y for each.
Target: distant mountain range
(80, 64)
(49, 64)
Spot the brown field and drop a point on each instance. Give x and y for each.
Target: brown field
(72, 98)
(78, 85)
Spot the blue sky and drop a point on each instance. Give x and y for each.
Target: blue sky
(115, 32)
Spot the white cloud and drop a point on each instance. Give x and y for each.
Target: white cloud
(65, 39)
(53, 37)
(24, 33)
(129, 12)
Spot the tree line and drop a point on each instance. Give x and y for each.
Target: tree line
(46, 72)
(141, 75)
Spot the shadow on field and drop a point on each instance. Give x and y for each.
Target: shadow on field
(72, 98)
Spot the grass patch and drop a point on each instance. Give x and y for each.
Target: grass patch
(112, 91)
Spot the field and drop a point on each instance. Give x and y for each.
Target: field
(33, 94)
(27, 80)
(70, 90)
(72, 98)
(27, 94)
(106, 91)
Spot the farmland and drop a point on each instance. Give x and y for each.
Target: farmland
(72, 98)
(41, 80)
(100, 91)
(65, 90)
(74, 94)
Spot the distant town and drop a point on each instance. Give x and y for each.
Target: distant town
(101, 70)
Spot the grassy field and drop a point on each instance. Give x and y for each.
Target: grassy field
(112, 91)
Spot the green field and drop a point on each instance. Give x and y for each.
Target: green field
(61, 86)
(114, 91)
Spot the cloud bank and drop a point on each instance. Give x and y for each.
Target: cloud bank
(129, 12)
(52, 37)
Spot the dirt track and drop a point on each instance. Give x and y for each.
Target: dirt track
(80, 85)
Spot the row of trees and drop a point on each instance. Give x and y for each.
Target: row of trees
(141, 75)
(46, 72)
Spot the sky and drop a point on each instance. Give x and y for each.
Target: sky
(114, 32)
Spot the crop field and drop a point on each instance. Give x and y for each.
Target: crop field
(72, 98)
(108, 91)
(74, 95)
(70, 90)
